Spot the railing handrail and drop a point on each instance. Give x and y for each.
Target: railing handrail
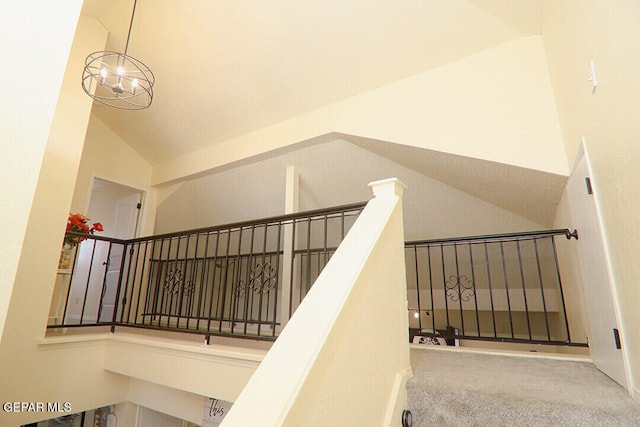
(85, 236)
(494, 237)
(229, 226)
(267, 220)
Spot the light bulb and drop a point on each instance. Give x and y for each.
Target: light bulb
(120, 70)
(416, 314)
(104, 74)
(134, 85)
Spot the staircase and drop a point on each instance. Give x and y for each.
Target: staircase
(454, 388)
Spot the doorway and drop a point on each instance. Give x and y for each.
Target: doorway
(117, 208)
(604, 342)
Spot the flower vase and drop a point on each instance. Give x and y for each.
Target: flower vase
(64, 263)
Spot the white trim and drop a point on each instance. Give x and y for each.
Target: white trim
(144, 195)
(228, 352)
(506, 353)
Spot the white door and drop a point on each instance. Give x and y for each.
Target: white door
(93, 295)
(594, 265)
(126, 219)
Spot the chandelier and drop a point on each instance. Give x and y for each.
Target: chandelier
(118, 80)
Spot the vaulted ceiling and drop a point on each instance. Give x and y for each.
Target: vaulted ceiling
(225, 68)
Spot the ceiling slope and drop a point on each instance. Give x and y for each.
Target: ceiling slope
(226, 68)
(529, 193)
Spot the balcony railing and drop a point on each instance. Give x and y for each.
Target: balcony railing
(247, 279)
(504, 288)
(244, 279)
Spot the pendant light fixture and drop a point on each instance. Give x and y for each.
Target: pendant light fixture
(118, 80)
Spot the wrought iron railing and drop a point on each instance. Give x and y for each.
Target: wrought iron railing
(499, 288)
(244, 279)
(247, 279)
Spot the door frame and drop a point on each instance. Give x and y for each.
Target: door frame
(143, 199)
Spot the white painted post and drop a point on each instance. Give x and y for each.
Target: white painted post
(388, 187)
(291, 205)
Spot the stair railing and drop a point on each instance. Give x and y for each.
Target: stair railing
(243, 279)
(503, 287)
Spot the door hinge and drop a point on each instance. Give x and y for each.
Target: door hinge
(139, 205)
(616, 337)
(587, 181)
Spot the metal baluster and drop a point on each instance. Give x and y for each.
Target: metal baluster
(444, 286)
(564, 307)
(213, 284)
(278, 280)
(475, 288)
(86, 288)
(415, 256)
(524, 288)
(544, 300)
(493, 311)
(249, 293)
(104, 280)
(145, 265)
(204, 273)
(459, 285)
(433, 308)
(506, 286)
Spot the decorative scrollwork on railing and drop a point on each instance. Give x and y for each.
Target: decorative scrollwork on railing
(262, 279)
(459, 288)
(174, 283)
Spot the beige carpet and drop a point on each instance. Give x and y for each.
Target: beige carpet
(452, 388)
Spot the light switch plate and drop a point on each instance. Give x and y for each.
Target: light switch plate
(593, 78)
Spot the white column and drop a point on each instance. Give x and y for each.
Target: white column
(291, 205)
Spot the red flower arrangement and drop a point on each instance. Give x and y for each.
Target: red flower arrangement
(80, 224)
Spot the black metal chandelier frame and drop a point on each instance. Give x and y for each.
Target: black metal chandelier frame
(117, 79)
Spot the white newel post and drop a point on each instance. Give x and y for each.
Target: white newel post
(291, 205)
(387, 187)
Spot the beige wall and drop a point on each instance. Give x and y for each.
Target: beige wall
(575, 33)
(495, 105)
(62, 374)
(26, 115)
(108, 157)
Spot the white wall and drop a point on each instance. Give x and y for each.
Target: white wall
(575, 33)
(432, 208)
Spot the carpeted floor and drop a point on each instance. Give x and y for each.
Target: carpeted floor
(452, 388)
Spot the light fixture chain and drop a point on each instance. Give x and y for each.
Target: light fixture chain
(126, 46)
